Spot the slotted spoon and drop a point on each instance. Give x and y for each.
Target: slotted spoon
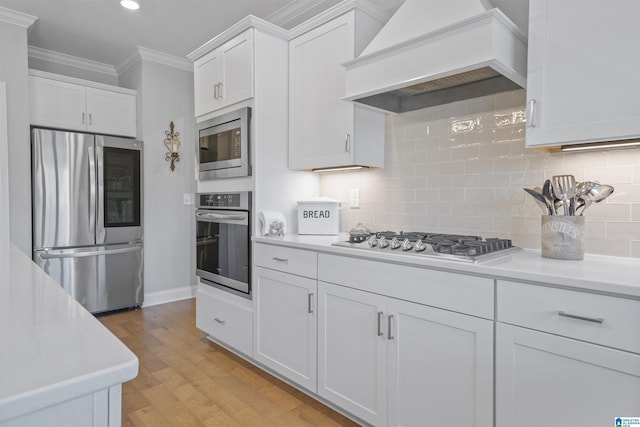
(564, 188)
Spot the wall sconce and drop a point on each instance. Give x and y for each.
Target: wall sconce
(172, 142)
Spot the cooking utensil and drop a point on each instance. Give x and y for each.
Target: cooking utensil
(548, 195)
(564, 188)
(594, 193)
(540, 200)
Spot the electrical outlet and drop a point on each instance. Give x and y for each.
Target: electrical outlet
(188, 198)
(354, 198)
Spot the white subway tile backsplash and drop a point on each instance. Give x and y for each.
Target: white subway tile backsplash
(595, 229)
(623, 230)
(627, 157)
(461, 168)
(608, 247)
(612, 175)
(478, 166)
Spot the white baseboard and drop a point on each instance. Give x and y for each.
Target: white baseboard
(177, 294)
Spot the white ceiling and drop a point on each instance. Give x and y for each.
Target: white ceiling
(103, 31)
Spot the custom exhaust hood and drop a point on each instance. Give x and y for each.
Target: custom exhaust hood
(433, 52)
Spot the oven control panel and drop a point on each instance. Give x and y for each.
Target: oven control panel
(238, 200)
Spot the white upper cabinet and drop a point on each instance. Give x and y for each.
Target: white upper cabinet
(582, 83)
(224, 76)
(324, 130)
(66, 103)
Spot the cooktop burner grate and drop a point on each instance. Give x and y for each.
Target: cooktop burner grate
(451, 246)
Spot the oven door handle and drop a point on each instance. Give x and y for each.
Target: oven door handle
(223, 218)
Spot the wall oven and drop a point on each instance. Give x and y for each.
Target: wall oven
(223, 146)
(223, 232)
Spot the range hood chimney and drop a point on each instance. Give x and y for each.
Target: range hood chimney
(433, 52)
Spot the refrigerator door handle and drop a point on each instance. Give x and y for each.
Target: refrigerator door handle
(91, 253)
(100, 229)
(92, 190)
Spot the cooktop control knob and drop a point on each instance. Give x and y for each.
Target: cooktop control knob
(383, 242)
(372, 241)
(395, 243)
(420, 246)
(407, 245)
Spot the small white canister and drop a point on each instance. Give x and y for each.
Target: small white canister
(318, 216)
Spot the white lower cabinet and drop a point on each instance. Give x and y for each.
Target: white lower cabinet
(565, 357)
(285, 325)
(227, 318)
(548, 380)
(396, 363)
(352, 351)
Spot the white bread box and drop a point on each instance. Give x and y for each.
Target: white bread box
(318, 215)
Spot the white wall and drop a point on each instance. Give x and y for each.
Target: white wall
(165, 94)
(13, 71)
(461, 167)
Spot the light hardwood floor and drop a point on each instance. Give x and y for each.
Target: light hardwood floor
(186, 380)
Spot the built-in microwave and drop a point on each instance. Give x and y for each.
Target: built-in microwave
(223, 146)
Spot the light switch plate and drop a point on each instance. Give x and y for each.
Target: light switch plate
(354, 198)
(188, 198)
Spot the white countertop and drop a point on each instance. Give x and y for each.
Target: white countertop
(603, 274)
(51, 348)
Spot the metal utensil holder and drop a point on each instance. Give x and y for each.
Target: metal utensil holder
(562, 237)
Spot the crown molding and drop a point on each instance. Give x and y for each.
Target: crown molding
(145, 54)
(81, 82)
(339, 9)
(71, 61)
(241, 26)
(16, 18)
(293, 11)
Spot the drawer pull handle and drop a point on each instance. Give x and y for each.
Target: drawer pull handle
(280, 259)
(586, 319)
(389, 336)
(222, 322)
(380, 333)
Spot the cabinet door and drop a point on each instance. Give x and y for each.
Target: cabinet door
(111, 112)
(236, 82)
(207, 73)
(57, 104)
(440, 367)
(547, 380)
(321, 124)
(352, 357)
(285, 325)
(582, 74)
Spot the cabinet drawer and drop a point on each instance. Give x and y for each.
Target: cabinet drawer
(289, 260)
(450, 291)
(223, 319)
(600, 319)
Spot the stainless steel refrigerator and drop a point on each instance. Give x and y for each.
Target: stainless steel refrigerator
(87, 216)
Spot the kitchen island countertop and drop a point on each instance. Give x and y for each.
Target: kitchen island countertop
(603, 274)
(51, 349)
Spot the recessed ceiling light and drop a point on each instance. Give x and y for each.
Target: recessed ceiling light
(130, 4)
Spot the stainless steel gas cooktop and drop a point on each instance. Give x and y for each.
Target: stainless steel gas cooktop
(464, 248)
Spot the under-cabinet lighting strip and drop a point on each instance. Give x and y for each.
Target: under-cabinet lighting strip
(339, 168)
(601, 146)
